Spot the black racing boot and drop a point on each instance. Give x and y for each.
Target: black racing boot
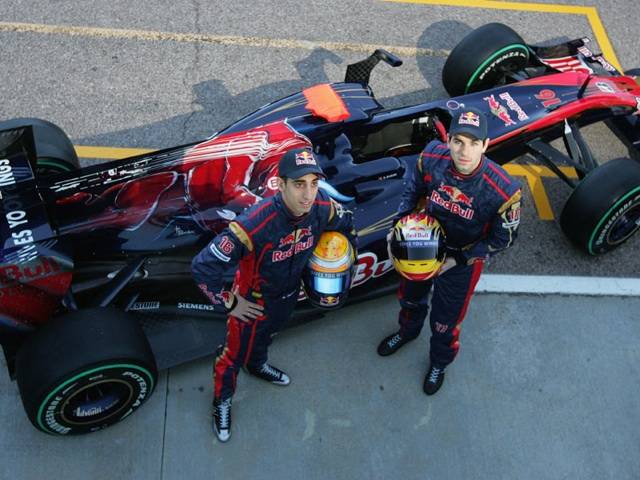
(270, 374)
(221, 420)
(433, 380)
(392, 344)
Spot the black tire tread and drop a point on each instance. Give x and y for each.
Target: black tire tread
(594, 196)
(50, 140)
(76, 342)
(472, 51)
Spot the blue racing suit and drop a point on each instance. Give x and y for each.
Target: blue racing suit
(480, 214)
(270, 248)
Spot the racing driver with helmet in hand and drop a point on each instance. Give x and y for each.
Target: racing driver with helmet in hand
(477, 204)
(270, 245)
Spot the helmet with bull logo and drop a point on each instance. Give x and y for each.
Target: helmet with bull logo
(327, 276)
(418, 246)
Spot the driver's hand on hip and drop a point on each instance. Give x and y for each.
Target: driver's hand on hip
(245, 310)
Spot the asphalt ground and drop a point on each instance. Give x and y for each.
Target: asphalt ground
(144, 79)
(544, 387)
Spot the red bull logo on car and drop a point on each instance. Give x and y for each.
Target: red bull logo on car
(456, 203)
(499, 110)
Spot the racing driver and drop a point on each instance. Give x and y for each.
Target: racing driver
(270, 243)
(478, 205)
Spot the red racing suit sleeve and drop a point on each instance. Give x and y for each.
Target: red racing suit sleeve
(219, 257)
(502, 232)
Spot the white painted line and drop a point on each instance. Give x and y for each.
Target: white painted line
(559, 285)
(158, 36)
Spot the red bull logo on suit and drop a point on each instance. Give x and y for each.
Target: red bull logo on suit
(456, 203)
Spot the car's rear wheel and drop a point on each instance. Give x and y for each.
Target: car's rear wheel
(483, 58)
(84, 371)
(55, 152)
(603, 211)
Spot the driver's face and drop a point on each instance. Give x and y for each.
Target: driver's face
(466, 152)
(299, 194)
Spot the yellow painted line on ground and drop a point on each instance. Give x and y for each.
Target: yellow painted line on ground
(590, 12)
(533, 174)
(109, 153)
(158, 36)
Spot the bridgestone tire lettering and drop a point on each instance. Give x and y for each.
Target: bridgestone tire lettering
(85, 370)
(603, 211)
(480, 59)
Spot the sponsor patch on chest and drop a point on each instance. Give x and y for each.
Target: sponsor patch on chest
(454, 200)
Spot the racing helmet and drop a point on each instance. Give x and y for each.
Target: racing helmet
(327, 276)
(418, 246)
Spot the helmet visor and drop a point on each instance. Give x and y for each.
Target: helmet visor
(416, 250)
(330, 283)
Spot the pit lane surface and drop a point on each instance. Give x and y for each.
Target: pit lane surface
(543, 388)
(110, 89)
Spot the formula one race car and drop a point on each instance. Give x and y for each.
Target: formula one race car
(95, 285)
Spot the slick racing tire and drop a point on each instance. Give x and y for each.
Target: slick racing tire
(54, 150)
(84, 371)
(604, 209)
(483, 58)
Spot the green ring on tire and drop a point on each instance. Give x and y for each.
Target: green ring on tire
(490, 59)
(88, 372)
(604, 217)
(53, 163)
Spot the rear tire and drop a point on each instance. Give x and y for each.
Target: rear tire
(482, 59)
(55, 152)
(84, 371)
(603, 211)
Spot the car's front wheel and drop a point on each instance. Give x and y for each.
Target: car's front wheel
(483, 58)
(84, 371)
(603, 211)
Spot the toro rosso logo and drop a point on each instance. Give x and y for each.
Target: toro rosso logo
(456, 203)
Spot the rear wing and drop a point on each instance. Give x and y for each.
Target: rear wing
(17, 159)
(34, 269)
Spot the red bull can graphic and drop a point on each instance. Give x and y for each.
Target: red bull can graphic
(499, 110)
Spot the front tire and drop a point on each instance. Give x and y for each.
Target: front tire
(603, 211)
(483, 58)
(85, 371)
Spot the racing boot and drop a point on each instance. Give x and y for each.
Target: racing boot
(270, 374)
(433, 380)
(221, 420)
(392, 344)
